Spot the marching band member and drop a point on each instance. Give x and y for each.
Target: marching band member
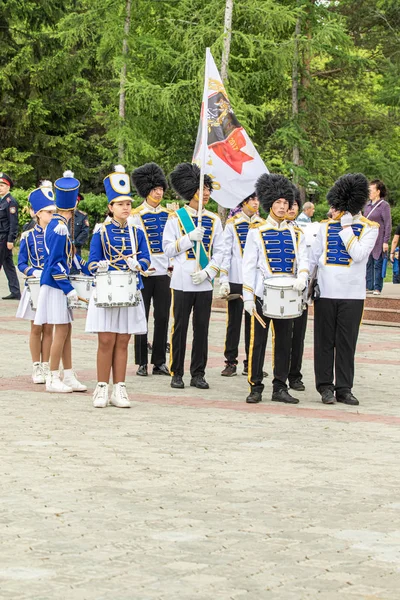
(191, 289)
(295, 376)
(116, 246)
(150, 183)
(272, 249)
(231, 281)
(341, 253)
(56, 290)
(30, 263)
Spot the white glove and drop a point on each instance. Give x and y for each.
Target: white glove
(300, 283)
(197, 234)
(346, 220)
(102, 266)
(37, 273)
(132, 264)
(199, 277)
(72, 294)
(249, 306)
(224, 289)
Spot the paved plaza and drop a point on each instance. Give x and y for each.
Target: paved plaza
(194, 495)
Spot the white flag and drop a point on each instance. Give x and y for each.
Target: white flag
(229, 155)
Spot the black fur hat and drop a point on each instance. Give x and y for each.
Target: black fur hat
(250, 197)
(297, 197)
(147, 177)
(185, 180)
(270, 188)
(349, 193)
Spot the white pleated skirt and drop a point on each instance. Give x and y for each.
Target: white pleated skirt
(24, 310)
(125, 319)
(52, 307)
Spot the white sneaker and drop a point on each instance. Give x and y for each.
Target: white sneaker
(376, 293)
(119, 397)
(46, 369)
(100, 395)
(54, 385)
(71, 381)
(37, 373)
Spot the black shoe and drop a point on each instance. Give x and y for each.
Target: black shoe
(168, 348)
(245, 371)
(142, 371)
(328, 397)
(254, 398)
(229, 371)
(161, 370)
(348, 398)
(284, 396)
(12, 297)
(297, 385)
(177, 382)
(149, 347)
(265, 374)
(199, 382)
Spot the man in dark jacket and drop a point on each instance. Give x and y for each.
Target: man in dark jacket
(8, 235)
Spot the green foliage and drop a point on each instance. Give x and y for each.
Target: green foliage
(60, 68)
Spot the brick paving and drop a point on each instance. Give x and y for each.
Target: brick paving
(194, 495)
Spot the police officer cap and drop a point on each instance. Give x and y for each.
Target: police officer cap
(349, 193)
(270, 188)
(147, 177)
(4, 178)
(185, 180)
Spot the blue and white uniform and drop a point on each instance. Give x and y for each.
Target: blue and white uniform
(30, 263)
(109, 242)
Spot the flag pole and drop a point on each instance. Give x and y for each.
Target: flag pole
(203, 153)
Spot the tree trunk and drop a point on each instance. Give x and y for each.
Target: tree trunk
(223, 212)
(297, 161)
(122, 79)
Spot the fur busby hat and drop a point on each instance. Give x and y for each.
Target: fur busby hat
(185, 180)
(249, 197)
(349, 193)
(270, 188)
(147, 177)
(297, 197)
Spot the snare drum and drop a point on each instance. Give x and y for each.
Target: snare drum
(281, 301)
(83, 286)
(116, 288)
(34, 289)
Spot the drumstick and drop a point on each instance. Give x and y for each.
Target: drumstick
(83, 300)
(259, 319)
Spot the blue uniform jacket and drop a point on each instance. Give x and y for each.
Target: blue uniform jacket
(58, 258)
(111, 241)
(31, 251)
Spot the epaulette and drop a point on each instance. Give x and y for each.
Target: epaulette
(61, 228)
(325, 220)
(297, 228)
(210, 214)
(230, 220)
(136, 210)
(255, 225)
(25, 234)
(368, 222)
(173, 215)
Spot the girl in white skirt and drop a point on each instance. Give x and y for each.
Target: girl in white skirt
(30, 263)
(116, 247)
(56, 290)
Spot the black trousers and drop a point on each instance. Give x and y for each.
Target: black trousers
(336, 326)
(298, 335)
(6, 261)
(235, 314)
(183, 303)
(282, 338)
(156, 288)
